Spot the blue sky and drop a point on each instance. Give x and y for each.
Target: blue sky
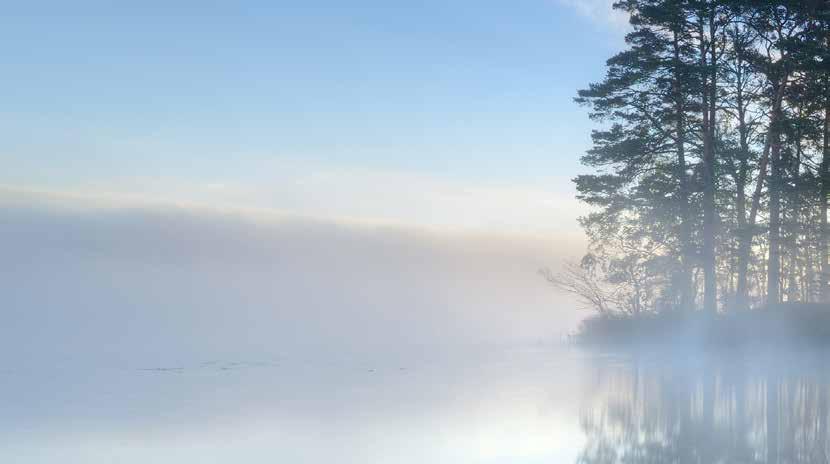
(312, 107)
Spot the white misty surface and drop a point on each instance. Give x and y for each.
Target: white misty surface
(142, 333)
(437, 410)
(124, 284)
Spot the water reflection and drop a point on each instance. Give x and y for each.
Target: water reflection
(522, 406)
(711, 410)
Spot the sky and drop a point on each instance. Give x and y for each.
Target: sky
(442, 127)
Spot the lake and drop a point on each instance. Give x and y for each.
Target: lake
(541, 405)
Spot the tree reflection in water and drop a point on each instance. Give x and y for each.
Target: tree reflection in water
(706, 411)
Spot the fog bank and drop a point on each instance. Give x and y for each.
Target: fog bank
(155, 284)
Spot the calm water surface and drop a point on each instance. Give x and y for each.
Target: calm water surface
(524, 406)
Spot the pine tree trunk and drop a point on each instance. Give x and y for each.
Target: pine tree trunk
(744, 230)
(745, 246)
(825, 191)
(792, 268)
(774, 255)
(709, 213)
(685, 279)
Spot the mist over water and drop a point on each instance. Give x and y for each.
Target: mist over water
(149, 285)
(158, 334)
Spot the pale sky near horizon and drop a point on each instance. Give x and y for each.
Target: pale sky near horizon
(218, 178)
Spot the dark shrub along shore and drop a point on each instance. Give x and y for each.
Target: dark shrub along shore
(790, 324)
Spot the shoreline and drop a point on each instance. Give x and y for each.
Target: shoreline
(787, 326)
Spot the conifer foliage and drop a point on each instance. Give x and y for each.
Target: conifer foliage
(709, 173)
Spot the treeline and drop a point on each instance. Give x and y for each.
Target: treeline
(711, 160)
